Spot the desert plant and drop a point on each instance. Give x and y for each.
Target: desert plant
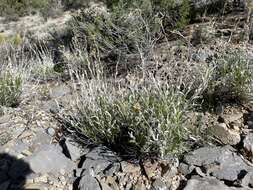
(231, 78)
(12, 9)
(136, 122)
(171, 12)
(10, 89)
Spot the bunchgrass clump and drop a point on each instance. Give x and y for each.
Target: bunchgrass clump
(140, 122)
(231, 79)
(10, 89)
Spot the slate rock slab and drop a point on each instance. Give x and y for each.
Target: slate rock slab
(71, 149)
(224, 134)
(208, 184)
(59, 91)
(158, 184)
(50, 159)
(101, 160)
(221, 162)
(247, 180)
(88, 182)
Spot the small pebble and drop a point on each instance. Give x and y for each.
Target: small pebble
(51, 131)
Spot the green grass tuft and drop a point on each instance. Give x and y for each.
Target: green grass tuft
(141, 122)
(10, 89)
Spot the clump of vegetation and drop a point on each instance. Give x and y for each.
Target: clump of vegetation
(137, 122)
(129, 28)
(15, 40)
(231, 79)
(44, 69)
(171, 12)
(12, 9)
(10, 89)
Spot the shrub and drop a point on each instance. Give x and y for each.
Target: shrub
(131, 28)
(111, 38)
(172, 13)
(74, 3)
(13, 9)
(142, 122)
(10, 89)
(231, 78)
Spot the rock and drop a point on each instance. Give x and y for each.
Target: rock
(225, 135)
(50, 159)
(40, 140)
(105, 186)
(200, 172)
(71, 149)
(96, 166)
(151, 169)
(208, 184)
(185, 169)
(130, 168)
(233, 117)
(221, 162)
(102, 153)
(51, 131)
(248, 145)
(88, 182)
(101, 159)
(78, 172)
(18, 148)
(59, 91)
(139, 186)
(247, 180)
(112, 182)
(158, 184)
(169, 168)
(51, 106)
(112, 169)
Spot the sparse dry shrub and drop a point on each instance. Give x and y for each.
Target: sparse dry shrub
(12, 9)
(10, 89)
(231, 79)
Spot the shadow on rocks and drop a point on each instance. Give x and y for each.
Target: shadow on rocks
(13, 173)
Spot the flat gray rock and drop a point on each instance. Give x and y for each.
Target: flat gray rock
(221, 162)
(73, 150)
(59, 91)
(40, 140)
(88, 182)
(101, 160)
(225, 135)
(50, 159)
(158, 184)
(208, 184)
(247, 180)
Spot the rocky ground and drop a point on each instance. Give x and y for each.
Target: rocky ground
(36, 154)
